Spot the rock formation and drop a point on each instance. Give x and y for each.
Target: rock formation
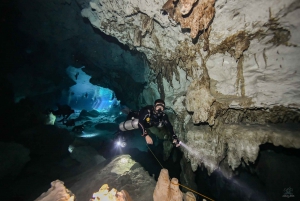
(195, 15)
(57, 192)
(110, 195)
(209, 148)
(189, 196)
(169, 190)
(120, 173)
(165, 189)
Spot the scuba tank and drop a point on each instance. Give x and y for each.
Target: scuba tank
(129, 125)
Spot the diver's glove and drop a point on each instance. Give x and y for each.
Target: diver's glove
(176, 142)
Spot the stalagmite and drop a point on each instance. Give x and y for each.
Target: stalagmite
(57, 192)
(169, 190)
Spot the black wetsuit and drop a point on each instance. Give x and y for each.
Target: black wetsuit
(147, 118)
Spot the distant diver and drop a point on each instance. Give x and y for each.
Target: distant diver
(69, 122)
(76, 75)
(63, 110)
(78, 129)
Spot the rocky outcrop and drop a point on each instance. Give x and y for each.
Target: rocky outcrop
(86, 155)
(120, 173)
(111, 195)
(199, 101)
(234, 142)
(57, 192)
(191, 14)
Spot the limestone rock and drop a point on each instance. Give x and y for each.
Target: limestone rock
(199, 100)
(120, 173)
(86, 154)
(189, 196)
(165, 189)
(112, 195)
(199, 18)
(161, 191)
(174, 193)
(234, 142)
(57, 192)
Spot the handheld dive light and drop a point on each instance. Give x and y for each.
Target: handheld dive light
(121, 143)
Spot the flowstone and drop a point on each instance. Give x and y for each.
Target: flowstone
(234, 142)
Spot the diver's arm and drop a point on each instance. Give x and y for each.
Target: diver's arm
(171, 130)
(143, 114)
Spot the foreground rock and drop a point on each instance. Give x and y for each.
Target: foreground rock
(120, 173)
(57, 192)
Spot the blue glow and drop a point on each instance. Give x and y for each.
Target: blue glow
(88, 135)
(86, 96)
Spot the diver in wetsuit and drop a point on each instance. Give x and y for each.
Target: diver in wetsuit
(63, 110)
(147, 117)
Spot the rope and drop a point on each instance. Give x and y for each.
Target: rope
(193, 191)
(179, 183)
(155, 157)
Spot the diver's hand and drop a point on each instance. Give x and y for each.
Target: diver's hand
(148, 139)
(176, 142)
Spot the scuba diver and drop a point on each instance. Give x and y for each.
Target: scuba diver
(63, 110)
(78, 129)
(69, 122)
(148, 117)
